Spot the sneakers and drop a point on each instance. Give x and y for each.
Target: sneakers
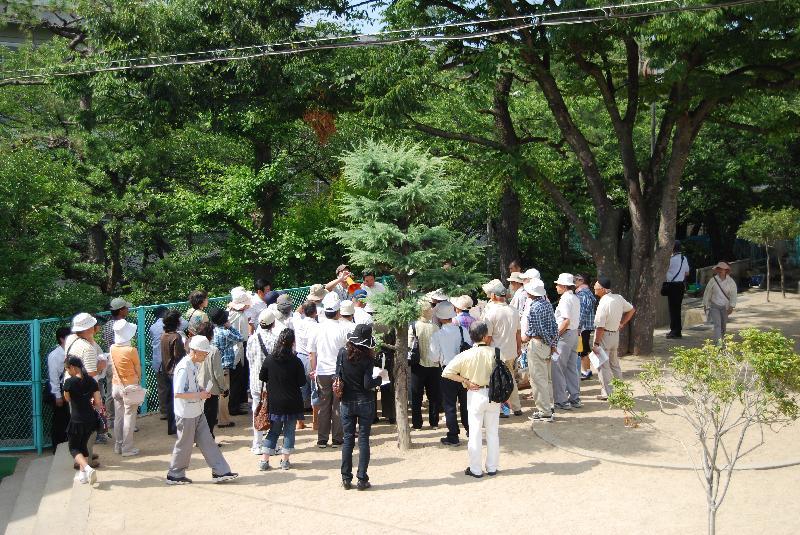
(518, 413)
(539, 416)
(131, 453)
(601, 397)
(117, 448)
(447, 442)
(492, 473)
(263, 466)
(586, 375)
(346, 485)
(335, 444)
(322, 445)
(576, 404)
(256, 451)
(91, 475)
(363, 484)
(80, 477)
(171, 480)
(468, 472)
(504, 415)
(224, 477)
(285, 464)
(563, 406)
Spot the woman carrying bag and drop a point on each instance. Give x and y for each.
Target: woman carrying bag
(719, 299)
(284, 375)
(126, 390)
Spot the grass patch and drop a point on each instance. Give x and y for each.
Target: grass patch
(7, 465)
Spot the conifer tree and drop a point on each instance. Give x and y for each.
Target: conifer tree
(394, 220)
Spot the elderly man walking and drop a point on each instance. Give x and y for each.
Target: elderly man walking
(613, 314)
(566, 377)
(542, 337)
(504, 325)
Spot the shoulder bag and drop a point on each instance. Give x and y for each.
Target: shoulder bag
(132, 394)
(338, 383)
(464, 345)
(665, 285)
(414, 353)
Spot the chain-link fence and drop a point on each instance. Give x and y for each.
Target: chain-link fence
(25, 420)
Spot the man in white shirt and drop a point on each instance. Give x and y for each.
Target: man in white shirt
(613, 314)
(674, 287)
(304, 332)
(330, 337)
(55, 375)
(347, 312)
(504, 330)
(192, 425)
(155, 331)
(446, 343)
(257, 303)
(566, 377)
(519, 297)
(370, 285)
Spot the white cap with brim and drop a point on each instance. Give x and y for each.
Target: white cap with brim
(369, 308)
(346, 308)
(462, 302)
(532, 273)
(565, 279)
(200, 343)
(123, 331)
(494, 286)
(266, 318)
(331, 302)
(239, 298)
(535, 288)
(82, 322)
(118, 303)
(444, 311)
(437, 295)
(517, 277)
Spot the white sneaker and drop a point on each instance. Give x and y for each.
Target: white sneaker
(91, 475)
(131, 453)
(257, 451)
(117, 448)
(80, 477)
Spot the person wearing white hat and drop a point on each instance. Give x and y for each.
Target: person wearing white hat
(425, 374)
(192, 425)
(504, 330)
(331, 336)
(305, 329)
(566, 377)
(436, 296)
(719, 299)
(519, 298)
(260, 345)
(239, 319)
(446, 343)
(81, 342)
(463, 304)
(127, 377)
(532, 274)
(346, 312)
(542, 337)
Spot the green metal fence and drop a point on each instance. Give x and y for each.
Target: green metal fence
(24, 346)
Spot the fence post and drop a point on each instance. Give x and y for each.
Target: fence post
(141, 344)
(36, 386)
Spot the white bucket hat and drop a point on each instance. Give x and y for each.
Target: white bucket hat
(346, 308)
(239, 298)
(123, 331)
(437, 295)
(331, 302)
(463, 302)
(536, 288)
(566, 279)
(82, 322)
(532, 273)
(444, 311)
(200, 343)
(266, 318)
(494, 286)
(516, 276)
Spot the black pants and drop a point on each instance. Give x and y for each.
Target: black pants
(427, 379)
(211, 409)
(675, 291)
(361, 412)
(163, 391)
(245, 384)
(587, 346)
(172, 429)
(454, 392)
(60, 423)
(235, 398)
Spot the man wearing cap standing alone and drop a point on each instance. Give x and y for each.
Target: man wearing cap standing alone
(542, 337)
(566, 377)
(674, 287)
(330, 337)
(504, 330)
(192, 425)
(613, 314)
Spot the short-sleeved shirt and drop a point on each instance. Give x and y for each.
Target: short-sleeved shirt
(610, 311)
(376, 288)
(88, 352)
(424, 330)
(255, 310)
(183, 382)
(329, 338)
(569, 307)
(503, 321)
(303, 332)
(81, 392)
(678, 268)
(475, 364)
(446, 342)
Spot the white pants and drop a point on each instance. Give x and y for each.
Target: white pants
(258, 436)
(483, 414)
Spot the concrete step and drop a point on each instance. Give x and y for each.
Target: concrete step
(23, 516)
(9, 490)
(58, 512)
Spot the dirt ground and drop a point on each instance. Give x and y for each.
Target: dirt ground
(540, 488)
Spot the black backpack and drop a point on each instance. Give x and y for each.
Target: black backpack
(501, 382)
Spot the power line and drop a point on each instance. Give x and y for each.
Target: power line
(610, 12)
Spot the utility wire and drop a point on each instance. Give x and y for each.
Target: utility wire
(356, 41)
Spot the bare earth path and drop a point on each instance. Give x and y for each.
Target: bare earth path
(540, 489)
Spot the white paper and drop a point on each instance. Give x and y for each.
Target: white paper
(598, 357)
(380, 372)
(555, 356)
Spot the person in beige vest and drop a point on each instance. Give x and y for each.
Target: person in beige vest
(127, 374)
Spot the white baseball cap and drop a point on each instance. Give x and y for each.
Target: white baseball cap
(444, 310)
(346, 308)
(331, 302)
(532, 273)
(566, 279)
(536, 288)
(200, 343)
(266, 317)
(123, 331)
(82, 322)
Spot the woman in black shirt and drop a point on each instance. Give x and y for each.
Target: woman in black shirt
(284, 375)
(81, 391)
(354, 367)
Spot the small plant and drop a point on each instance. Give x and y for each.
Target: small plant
(621, 397)
(723, 392)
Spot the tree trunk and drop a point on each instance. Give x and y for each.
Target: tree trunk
(712, 520)
(508, 228)
(114, 270)
(780, 267)
(401, 388)
(266, 202)
(766, 249)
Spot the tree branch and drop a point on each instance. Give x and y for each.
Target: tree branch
(456, 136)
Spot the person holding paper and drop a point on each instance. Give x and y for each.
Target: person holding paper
(613, 314)
(542, 338)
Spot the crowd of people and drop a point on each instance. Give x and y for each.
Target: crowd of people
(263, 357)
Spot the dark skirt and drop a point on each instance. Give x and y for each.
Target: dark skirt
(79, 435)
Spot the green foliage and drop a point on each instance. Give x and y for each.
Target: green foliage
(392, 221)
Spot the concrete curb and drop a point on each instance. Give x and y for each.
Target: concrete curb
(543, 433)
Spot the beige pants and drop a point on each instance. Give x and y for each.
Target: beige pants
(612, 368)
(541, 376)
(124, 420)
(224, 415)
(513, 399)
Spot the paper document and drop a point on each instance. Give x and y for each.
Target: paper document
(380, 372)
(598, 357)
(555, 355)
